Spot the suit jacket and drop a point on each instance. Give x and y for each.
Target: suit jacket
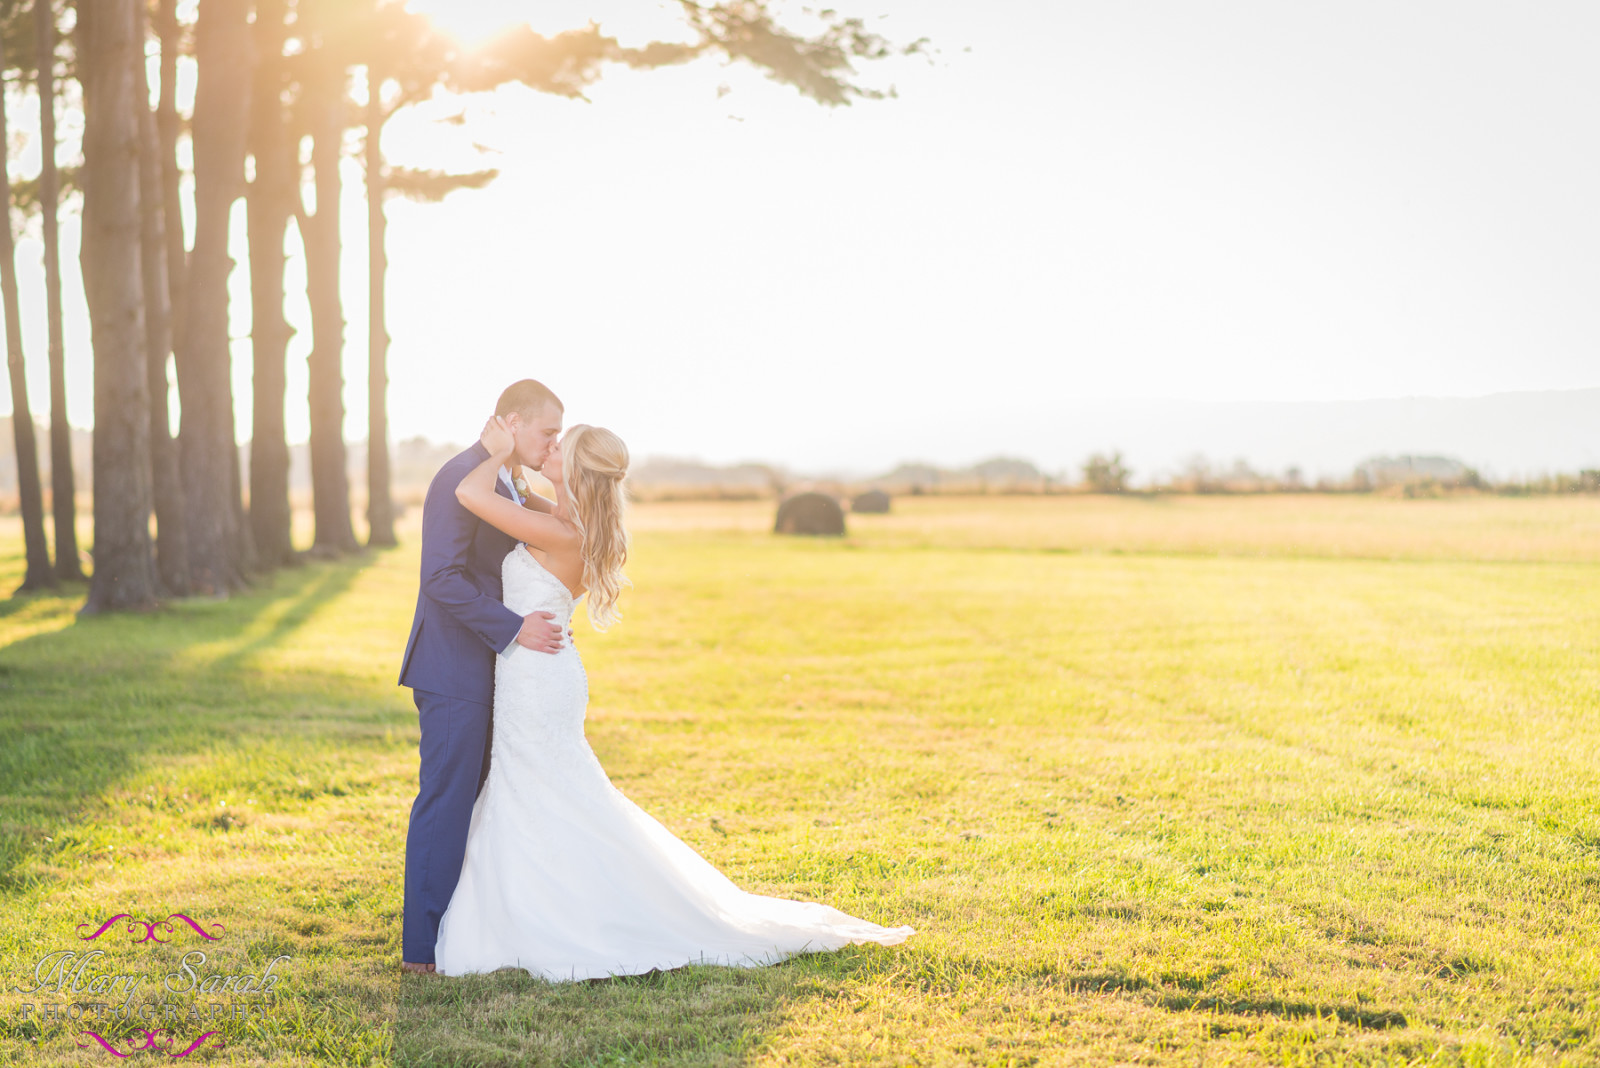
(460, 623)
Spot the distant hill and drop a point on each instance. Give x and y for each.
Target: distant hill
(908, 475)
(999, 473)
(665, 476)
(1501, 435)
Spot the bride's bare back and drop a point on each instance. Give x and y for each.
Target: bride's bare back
(566, 566)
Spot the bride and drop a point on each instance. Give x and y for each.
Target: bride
(564, 877)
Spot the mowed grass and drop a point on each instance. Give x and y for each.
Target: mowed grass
(1321, 786)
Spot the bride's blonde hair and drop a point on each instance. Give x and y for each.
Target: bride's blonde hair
(596, 463)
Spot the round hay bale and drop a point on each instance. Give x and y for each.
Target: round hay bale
(873, 501)
(810, 513)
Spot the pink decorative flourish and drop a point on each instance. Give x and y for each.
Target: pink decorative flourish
(106, 1045)
(150, 928)
(197, 1043)
(152, 1041)
(149, 1043)
(197, 928)
(102, 930)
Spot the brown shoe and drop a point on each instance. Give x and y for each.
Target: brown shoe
(418, 969)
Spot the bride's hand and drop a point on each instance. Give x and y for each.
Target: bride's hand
(496, 438)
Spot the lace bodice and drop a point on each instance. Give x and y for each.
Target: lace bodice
(538, 696)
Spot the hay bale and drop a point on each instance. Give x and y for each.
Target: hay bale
(810, 513)
(873, 501)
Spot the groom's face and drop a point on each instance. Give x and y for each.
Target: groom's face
(534, 435)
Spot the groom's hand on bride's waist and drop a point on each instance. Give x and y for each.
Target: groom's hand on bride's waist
(541, 633)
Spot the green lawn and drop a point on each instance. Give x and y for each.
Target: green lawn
(1189, 781)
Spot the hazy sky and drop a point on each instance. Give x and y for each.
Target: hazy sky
(1071, 203)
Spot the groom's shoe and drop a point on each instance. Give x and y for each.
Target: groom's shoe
(418, 969)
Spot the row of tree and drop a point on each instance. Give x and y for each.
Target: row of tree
(275, 88)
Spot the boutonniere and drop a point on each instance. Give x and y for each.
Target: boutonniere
(520, 485)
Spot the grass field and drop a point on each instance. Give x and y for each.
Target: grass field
(1292, 780)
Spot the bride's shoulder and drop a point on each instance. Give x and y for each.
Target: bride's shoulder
(557, 534)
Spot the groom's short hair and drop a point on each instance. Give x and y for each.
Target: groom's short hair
(526, 397)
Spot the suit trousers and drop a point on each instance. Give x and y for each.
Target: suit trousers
(456, 738)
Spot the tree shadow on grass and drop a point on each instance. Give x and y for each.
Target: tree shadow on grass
(17, 602)
(320, 587)
(84, 706)
(1367, 1019)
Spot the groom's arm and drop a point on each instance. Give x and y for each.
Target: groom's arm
(447, 532)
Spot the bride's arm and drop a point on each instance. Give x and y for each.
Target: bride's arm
(476, 493)
(538, 502)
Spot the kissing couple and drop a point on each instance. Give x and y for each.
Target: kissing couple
(520, 853)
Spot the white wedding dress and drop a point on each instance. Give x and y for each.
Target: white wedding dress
(568, 879)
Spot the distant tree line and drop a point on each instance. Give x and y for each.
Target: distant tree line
(279, 85)
(1410, 476)
(1102, 473)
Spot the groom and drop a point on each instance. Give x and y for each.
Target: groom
(460, 626)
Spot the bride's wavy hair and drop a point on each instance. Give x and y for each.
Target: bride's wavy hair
(596, 464)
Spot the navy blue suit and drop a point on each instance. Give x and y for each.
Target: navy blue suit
(459, 628)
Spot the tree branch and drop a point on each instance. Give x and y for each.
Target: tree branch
(433, 186)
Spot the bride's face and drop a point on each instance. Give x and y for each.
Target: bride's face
(555, 467)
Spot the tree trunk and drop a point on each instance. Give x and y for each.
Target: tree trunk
(380, 503)
(63, 486)
(270, 204)
(207, 452)
(37, 574)
(330, 483)
(244, 541)
(124, 564)
(172, 540)
(167, 132)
